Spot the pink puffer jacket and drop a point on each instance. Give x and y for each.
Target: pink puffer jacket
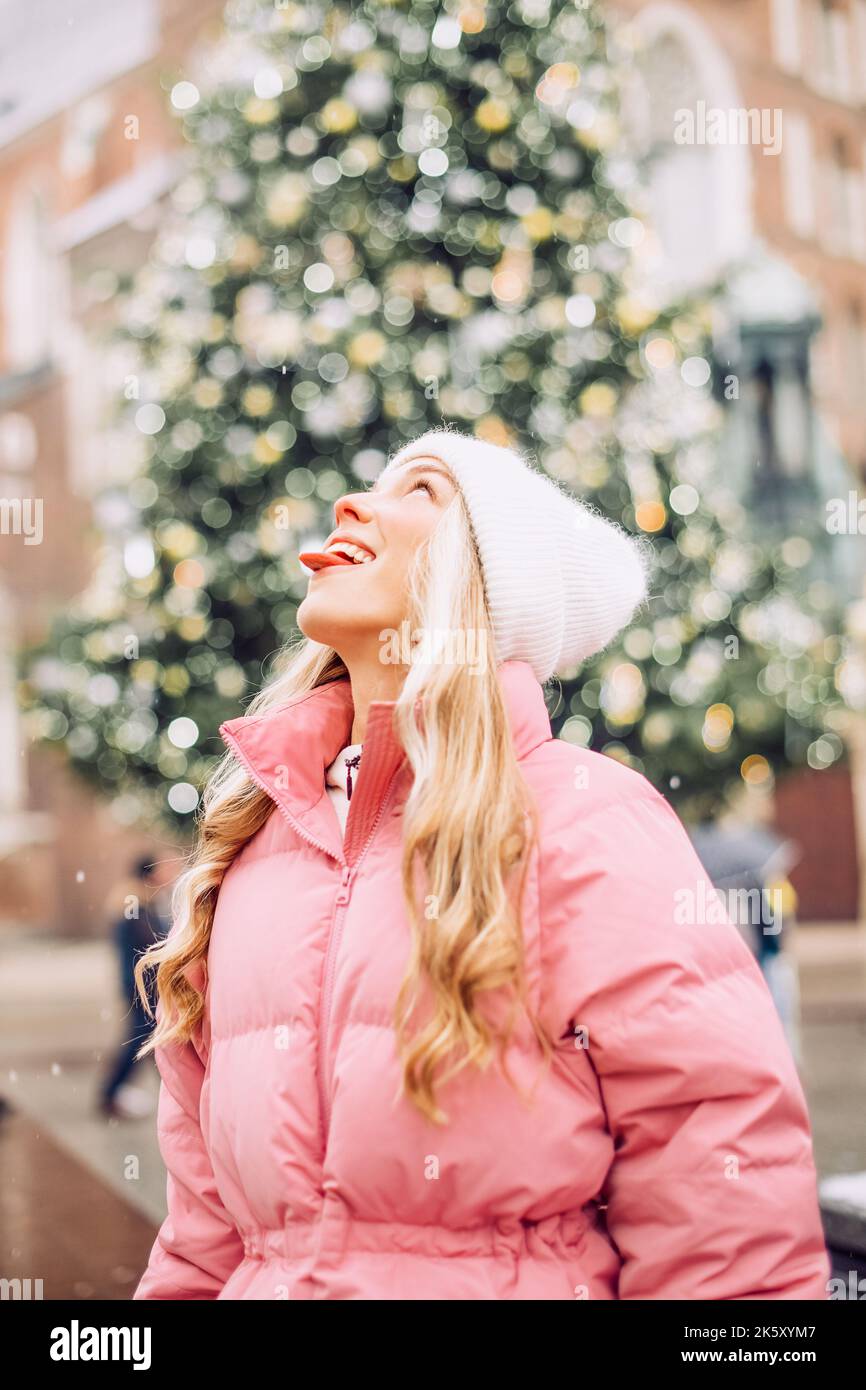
(667, 1151)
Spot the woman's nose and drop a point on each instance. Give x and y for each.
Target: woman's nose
(353, 506)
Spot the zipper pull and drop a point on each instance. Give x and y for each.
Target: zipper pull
(345, 880)
(351, 763)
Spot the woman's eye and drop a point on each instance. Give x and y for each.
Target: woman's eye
(422, 482)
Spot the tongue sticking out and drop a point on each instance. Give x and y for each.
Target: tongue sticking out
(321, 559)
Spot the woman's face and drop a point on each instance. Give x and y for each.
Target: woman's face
(350, 612)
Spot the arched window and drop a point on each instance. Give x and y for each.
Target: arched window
(28, 283)
(11, 777)
(831, 70)
(855, 357)
(700, 193)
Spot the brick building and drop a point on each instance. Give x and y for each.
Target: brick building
(779, 186)
(87, 153)
(807, 59)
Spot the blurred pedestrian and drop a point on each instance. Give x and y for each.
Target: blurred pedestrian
(776, 959)
(749, 864)
(139, 919)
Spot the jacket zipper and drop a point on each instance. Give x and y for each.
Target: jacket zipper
(342, 898)
(334, 936)
(334, 939)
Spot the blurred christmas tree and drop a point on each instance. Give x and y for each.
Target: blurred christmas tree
(395, 215)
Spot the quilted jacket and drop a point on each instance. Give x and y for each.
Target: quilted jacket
(665, 1154)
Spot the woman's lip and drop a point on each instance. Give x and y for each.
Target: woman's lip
(319, 560)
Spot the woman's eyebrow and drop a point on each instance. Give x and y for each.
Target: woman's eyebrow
(416, 468)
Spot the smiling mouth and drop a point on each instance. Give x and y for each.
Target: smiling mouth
(333, 558)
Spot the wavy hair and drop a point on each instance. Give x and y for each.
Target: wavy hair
(469, 824)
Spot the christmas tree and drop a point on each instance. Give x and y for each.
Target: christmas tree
(394, 215)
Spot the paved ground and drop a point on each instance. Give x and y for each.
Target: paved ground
(832, 970)
(82, 1196)
(61, 1224)
(62, 1015)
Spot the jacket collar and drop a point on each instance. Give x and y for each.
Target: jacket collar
(287, 751)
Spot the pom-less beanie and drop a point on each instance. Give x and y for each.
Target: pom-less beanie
(561, 580)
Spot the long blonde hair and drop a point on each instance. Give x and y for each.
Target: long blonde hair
(469, 820)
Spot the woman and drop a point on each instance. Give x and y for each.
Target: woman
(463, 1047)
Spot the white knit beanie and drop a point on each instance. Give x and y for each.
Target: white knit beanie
(561, 581)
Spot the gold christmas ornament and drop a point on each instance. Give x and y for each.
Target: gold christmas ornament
(367, 349)
(493, 115)
(260, 112)
(257, 400)
(287, 200)
(598, 400)
(538, 224)
(338, 116)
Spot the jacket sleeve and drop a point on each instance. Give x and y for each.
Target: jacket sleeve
(198, 1246)
(712, 1191)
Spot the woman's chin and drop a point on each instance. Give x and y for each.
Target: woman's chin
(326, 622)
(316, 623)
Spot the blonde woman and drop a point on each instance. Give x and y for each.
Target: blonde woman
(430, 1023)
